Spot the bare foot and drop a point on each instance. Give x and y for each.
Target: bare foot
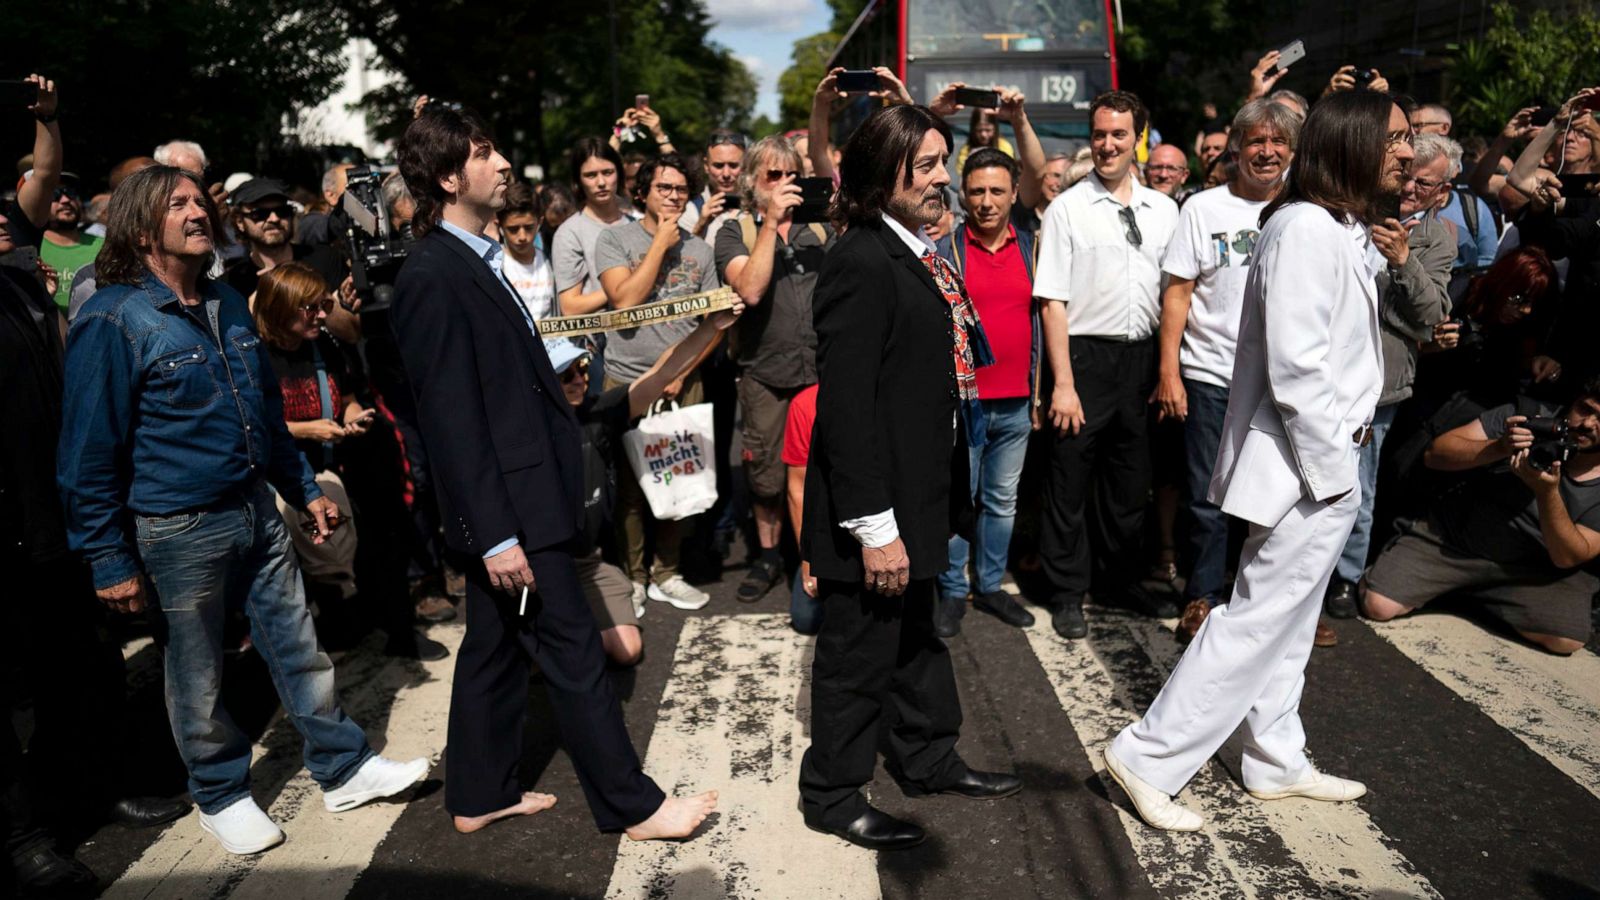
(531, 803)
(678, 817)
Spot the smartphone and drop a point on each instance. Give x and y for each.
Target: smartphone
(854, 81)
(641, 101)
(977, 97)
(1289, 55)
(14, 93)
(730, 202)
(1542, 116)
(815, 195)
(1593, 102)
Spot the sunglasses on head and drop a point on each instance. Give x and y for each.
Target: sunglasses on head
(738, 140)
(262, 213)
(572, 372)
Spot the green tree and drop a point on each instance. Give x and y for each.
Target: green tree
(1525, 58)
(798, 82)
(1178, 55)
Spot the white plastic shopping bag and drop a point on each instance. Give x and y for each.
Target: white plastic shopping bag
(673, 452)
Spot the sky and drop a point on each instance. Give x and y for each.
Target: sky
(762, 34)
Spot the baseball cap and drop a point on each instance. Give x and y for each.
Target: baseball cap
(258, 189)
(564, 353)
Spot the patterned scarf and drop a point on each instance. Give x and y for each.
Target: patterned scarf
(963, 322)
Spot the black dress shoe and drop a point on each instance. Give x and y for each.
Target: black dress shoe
(1152, 604)
(877, 830)
(947, 615)
(1004, 607)
(422, 647)
(147, 812)
(46, 873)
(1068, 621)
(1341, 599)
(977, 785)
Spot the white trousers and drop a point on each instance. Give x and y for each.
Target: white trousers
(1248, 661)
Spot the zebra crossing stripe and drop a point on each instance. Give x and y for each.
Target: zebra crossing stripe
(1249, 848)
(323, 853)
(733, 718)
(1551, 703)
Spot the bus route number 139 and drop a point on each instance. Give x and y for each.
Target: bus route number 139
(1058, 88)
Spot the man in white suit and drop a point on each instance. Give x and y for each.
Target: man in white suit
(1306, 378)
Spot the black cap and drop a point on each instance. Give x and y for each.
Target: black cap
(258, 189)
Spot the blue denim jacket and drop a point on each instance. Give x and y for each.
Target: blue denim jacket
(159, 418)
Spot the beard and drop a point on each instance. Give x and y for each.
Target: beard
(918, 211)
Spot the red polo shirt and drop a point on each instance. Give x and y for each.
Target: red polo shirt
(1000, 288)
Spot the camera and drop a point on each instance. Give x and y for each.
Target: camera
(1551, 441)
(1365, 77)
(376, 247)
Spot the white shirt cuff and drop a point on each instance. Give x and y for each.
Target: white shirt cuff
(501, 547)
(876, 530)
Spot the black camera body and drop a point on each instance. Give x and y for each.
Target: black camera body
(1365, 77)
(376, 247)
(1552, 442)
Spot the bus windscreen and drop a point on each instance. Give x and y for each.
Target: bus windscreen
(943, 28)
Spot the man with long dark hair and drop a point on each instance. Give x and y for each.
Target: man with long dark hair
(504, 444)
(1307, 376)
(166, 377)
(898, 346)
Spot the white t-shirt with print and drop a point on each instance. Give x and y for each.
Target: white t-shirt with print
(535, 283)
(1213, 245)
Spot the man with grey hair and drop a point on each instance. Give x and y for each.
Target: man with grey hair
(1431, 118)
(186, 155)
(315, 228)
(1413, 297)
(1437, 165)
(1206, 266)
(1285, 97)
(772, 262)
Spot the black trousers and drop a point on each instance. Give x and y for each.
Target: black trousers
(881, 674)
(1099, 482)
(489, 700)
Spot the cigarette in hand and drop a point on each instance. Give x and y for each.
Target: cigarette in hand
(522, 608)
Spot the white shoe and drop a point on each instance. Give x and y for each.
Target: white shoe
(679, 593)
(242, 828)
(1153, 804)
(377, 777)
(1316, 786)
(639, 596)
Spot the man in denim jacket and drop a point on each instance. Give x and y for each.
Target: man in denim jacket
(172, 431)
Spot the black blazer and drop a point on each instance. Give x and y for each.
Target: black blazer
(885, 433)
(502, 443)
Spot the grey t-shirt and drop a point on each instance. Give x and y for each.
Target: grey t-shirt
(1497, 517)
(572, 253)
(687, 269)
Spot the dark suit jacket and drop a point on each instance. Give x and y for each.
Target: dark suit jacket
(31, 521)
(502, 443)
(885, 432)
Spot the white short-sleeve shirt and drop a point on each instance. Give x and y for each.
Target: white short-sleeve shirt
(1213, 246)
(1112, 288)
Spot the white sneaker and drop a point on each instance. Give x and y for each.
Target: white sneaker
(1152, 803)
(1317, 786)
(639, 596)
(377, 777)
(242, 828)
(679, 593)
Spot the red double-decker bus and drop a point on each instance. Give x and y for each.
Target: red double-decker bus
(1059, 53)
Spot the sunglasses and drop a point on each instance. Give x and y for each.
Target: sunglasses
(779, 174)
(575, 371)
(64, 193)
(311, 309)
(1130, 226)
(262, 213)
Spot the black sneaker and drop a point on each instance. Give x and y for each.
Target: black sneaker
(947, 614)
(1340, 601)
(1004, 607)
(762, 577)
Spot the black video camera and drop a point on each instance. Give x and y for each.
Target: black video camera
(1551, 441)
(376, 247)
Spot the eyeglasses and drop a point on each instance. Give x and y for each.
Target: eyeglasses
(262, 213)
(1173, 169)
(671, 190)
(1130, 226)
(311, 309)
(779, 174)
(575, 371)
(1427, 186)
(1394, 140)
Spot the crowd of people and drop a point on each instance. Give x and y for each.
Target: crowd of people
(218, 427)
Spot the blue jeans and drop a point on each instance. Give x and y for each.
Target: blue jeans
(996, 470)
(1208, 526)
(202, 565)
(805, 611)
(1354, 560)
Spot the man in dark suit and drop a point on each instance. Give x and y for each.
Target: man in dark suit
(897, 350)
(505, 450)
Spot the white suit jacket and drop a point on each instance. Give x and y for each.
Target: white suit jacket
(1309, 367)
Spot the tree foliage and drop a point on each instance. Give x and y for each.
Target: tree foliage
(1178, 55)
(1525, 58)
(807, 63)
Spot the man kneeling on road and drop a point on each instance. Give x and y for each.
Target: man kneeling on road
(1529, 560)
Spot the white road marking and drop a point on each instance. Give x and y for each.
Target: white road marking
(323, 853)
(1249, 848)
(1551, 703)
(733, 718)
